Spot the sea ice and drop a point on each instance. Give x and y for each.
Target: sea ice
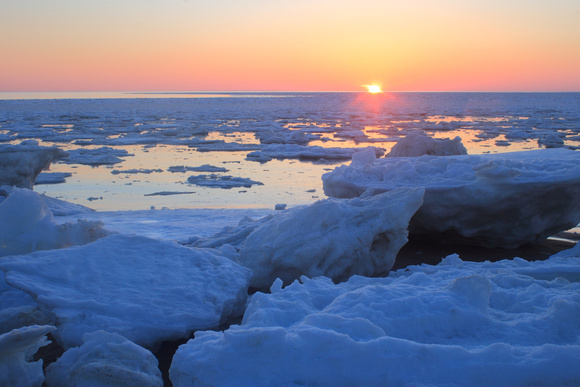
(96, 156)
(52, 178)
(281, 136)
(551, 141)
(105, 359)
(134, 171)
(201, 168)
(415, 144)
(292, 151)
(225, 182)
(16, 350)
(334, 238)
(494, 200)
(144, 289)
(21, 164)
(508, 323)
(27, 224)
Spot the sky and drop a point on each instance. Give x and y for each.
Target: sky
(289, 45)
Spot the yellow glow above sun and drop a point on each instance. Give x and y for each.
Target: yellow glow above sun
(373, 88)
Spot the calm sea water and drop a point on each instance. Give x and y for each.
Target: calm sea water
(166, 129)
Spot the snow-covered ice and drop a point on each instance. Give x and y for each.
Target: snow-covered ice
(105, 359)
(456, 323)
(16, 350)
(333, 238)
(21, 164)
(144, 289)
(17, 308)
(508, 323)
(27, 224)
(415, 144)
(494, 200)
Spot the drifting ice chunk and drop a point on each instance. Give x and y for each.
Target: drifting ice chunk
(202, 168)
(16, 349)
(135, 171)
(105, 359)
(27, 224)
(333, 238)
(225, 182)
(551, 141)
(291, 151)
(499, 200)
(52, 178)
(144, 289)
(21, 164)
(457, 323)
(414, 145)
(100, 156)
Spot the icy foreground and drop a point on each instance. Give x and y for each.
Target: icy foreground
(508, 323)
(144, 289)
(332, 238)
(494, 200)
(16, 349)
(105, 359)
(27, 224)
(20, 164)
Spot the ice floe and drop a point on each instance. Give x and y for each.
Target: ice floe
(52, 178)
(21, 164)
(495, 200)
(201, 168)
(508, 323)
(415, 144)
(146, 171)
(225, 182)
(96, 156)
(105, 359)
(292, 151)
(144, 289)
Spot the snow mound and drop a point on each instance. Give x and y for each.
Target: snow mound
(415, 144)
(21, 164)
(495, 200)
(333, 238)
(456, 323)
(27, 224)
(16, 349)
(144, 289)
(105, 359)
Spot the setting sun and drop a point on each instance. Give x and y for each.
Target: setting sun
(373, 88)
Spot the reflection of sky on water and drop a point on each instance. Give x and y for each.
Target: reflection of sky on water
(169, 129)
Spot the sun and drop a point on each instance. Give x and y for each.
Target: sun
(373, 89)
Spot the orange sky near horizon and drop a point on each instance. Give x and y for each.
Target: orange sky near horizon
(299, 45)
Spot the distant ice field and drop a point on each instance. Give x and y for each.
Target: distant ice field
(132, 151)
